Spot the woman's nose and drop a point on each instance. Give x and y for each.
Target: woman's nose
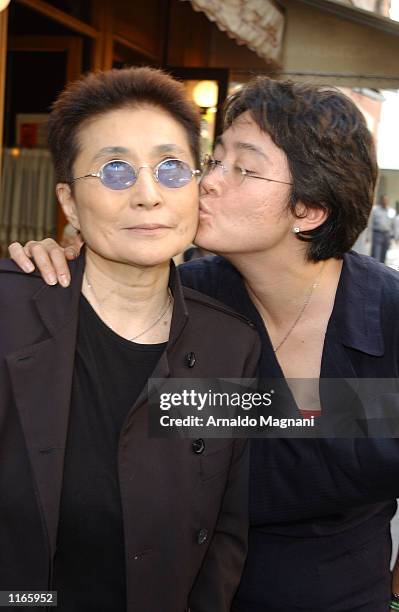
(146, 191)
(211, 182)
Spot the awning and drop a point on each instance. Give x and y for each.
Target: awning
(258, 24)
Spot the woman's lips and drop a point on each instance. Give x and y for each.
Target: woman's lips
(149, 229)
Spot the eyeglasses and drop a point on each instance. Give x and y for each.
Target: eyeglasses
(118, 174)
(235, 175)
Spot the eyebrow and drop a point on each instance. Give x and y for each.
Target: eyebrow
(110, 151)
(169, 148)
(245, 146)
(159, 150)
(248, 146)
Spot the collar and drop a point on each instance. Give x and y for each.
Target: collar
(356, 315)
(356, 318)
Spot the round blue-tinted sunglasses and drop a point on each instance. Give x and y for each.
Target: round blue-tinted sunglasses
(119, 174)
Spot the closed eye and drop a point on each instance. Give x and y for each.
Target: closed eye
(249, 172)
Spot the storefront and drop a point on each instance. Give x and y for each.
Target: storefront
(212, 45)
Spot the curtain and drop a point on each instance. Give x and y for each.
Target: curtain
(28, 208)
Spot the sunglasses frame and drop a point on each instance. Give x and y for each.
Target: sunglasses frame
(155, 172)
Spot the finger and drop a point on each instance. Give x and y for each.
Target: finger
(70, 253)
(60, 265)
(73, 250)
(21, 258)
(41, 256)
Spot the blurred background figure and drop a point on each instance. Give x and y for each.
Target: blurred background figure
(395, 224)
(382, 229)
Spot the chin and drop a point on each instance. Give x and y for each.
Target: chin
(206, 241)
(150, 261)
(155, 256)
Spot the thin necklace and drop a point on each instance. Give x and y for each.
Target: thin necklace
(100, 303)
(308, 297)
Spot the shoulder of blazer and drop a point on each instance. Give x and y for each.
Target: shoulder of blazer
(210, 304)
(15, 282)
(372, 278)
(8, 265)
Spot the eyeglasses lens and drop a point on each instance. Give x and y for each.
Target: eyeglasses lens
(118, 175)
(174, 173)
(233, 176)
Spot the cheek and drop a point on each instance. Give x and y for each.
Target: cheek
(187, 207)
(97, 220)
(243, 212)
(261, 210)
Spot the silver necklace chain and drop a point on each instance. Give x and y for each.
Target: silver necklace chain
(101, 302)
(303, 308)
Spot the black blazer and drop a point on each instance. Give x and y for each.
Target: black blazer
(185, 513)
(320, 509)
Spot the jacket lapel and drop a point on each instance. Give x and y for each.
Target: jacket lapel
(41, 377)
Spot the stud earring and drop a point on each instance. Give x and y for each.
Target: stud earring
(296, 229)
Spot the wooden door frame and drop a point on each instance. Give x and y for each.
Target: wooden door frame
(3, 59)
(73, 46)
(100, 31)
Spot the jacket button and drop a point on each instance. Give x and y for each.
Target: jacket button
(198, 446)
(202, 536)
(191, 359)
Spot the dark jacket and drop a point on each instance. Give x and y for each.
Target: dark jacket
(320, 509)
(184, 511)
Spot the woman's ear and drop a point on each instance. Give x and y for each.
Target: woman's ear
(310, 217)
(68, 204)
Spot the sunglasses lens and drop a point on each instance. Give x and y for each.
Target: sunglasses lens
(174, 173)
(118, 174)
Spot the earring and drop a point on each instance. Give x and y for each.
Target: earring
(296, 229)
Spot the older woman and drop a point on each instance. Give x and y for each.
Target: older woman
(90, 506)
(287, 192)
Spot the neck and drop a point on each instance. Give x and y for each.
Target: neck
(278, 285)
(127, 298)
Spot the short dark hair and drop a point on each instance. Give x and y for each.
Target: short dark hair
(330, 151)
(100, 92)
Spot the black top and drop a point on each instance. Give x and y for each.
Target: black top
(109, 374)
(320, 509)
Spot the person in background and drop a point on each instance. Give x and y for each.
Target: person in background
(286, 193)
(381, 230)
(91, 506)
(395, 223)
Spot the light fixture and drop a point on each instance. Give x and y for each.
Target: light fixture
(4, 4)
(205, 94)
